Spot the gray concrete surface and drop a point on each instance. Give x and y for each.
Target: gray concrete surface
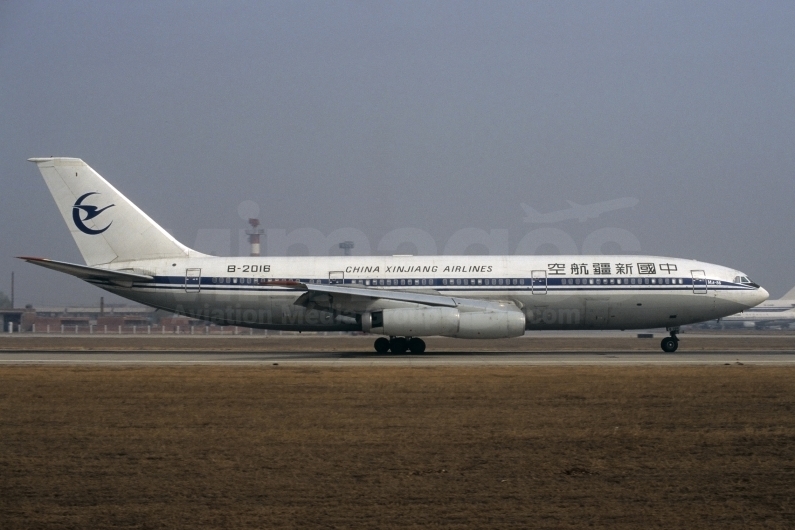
(609, 348)
(129, 358)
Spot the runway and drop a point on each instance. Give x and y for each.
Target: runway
(331, 359)
(566, 349)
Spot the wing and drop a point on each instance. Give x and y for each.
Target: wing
(364, 294)
(355, 299)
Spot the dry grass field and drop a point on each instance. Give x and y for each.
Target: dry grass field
(471, 447)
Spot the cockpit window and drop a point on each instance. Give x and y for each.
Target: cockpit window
(744, 280)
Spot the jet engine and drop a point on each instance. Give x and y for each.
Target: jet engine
(446, 321)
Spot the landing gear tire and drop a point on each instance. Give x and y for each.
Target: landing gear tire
(381, 345)
(669, 344)
(398, 345)
(416, 345)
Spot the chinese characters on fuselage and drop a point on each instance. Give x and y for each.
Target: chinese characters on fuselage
(601, 269)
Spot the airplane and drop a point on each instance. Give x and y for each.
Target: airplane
(769, 313)
(760, 319)
(785, 302)
(399, 298)
(582, 212)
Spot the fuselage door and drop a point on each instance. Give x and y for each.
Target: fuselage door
(699, 282)
(538, 280)
(193, 280)
(336, 277)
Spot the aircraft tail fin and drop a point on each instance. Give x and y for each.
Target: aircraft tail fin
(106, 226)
(790, 295)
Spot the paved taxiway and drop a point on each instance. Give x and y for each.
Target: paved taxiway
(128, 358)
(562, 349)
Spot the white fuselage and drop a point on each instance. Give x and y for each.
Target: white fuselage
(553, 292)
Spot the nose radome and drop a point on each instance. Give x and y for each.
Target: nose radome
(760, 295)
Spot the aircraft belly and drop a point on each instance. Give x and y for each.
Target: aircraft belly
(563, 313)
(623, 311)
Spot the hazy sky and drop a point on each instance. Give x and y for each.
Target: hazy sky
(434, 116)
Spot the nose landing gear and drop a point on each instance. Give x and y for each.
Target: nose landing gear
(399, 345)
(670, 344)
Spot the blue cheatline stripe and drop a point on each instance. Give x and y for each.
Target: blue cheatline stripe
(439, 282)
(554, 285)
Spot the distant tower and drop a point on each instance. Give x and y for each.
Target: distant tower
(346, 247)
(254, 234)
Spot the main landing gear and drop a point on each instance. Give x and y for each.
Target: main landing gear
(670, 344)
(399, 344)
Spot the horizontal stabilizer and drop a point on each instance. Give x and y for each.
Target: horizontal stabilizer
(88, 273)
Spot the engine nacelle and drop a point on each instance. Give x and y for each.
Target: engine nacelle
(417, 322)
(491, 325)
(446, 321)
